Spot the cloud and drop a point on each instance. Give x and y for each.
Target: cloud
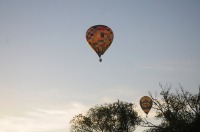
(42, 120)
(173, 65)
(165, 68)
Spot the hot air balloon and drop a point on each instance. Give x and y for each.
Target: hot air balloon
(99, 37)
(146, 104)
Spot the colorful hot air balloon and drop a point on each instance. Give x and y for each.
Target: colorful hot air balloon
(99, 37)
(146, 104)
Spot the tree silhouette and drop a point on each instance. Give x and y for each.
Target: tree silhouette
(114, 117)
(178, 112)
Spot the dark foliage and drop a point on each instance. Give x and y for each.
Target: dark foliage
(115, 117)
(178, 112)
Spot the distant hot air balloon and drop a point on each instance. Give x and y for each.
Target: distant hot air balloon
(146, 104)
(99, 37)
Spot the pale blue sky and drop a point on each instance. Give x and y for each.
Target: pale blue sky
(48, 73)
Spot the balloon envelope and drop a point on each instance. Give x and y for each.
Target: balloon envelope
(146, 104)
(99, 37)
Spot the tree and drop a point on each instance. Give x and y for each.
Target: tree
(114, 117)
(178, 112)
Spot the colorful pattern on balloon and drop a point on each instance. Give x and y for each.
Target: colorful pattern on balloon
(99, 37)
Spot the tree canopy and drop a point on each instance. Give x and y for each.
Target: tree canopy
(178, 112)
(113, 117)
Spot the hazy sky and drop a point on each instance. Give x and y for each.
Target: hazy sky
(48, 73)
